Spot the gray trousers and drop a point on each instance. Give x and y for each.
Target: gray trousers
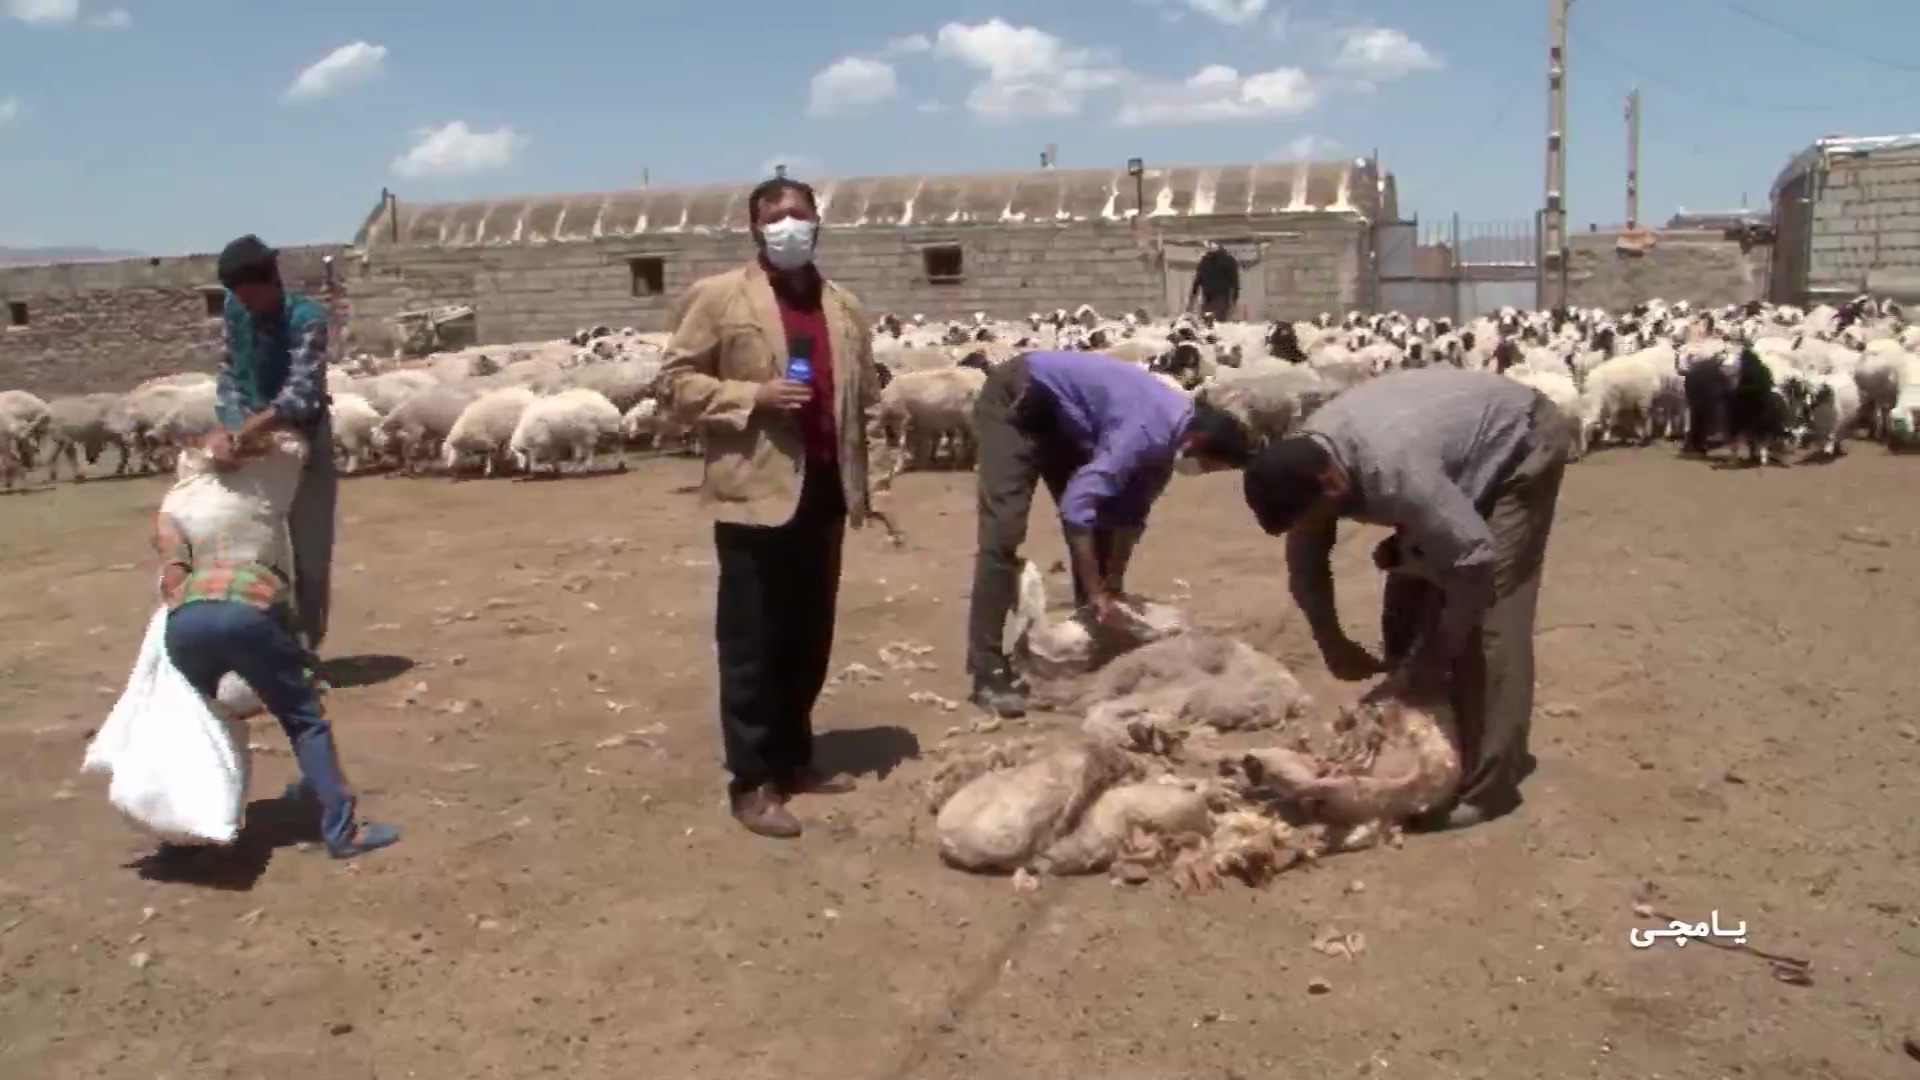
(1493, 679)
(1017, 452)
(310, 524)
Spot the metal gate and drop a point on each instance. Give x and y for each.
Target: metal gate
(1447, 270)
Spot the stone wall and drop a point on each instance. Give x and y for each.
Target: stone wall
(110, 325)
(1311, 263)
(1702, 267)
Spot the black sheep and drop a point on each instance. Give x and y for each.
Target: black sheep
(1285, 344)
(1709, 389)
(1756, 412)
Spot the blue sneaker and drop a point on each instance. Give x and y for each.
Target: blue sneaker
(367, 836)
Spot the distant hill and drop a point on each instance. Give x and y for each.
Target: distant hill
(14, 256)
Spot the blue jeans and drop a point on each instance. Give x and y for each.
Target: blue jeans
(206, 639)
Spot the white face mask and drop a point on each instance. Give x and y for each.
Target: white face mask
(1188, 465)
(789, 242)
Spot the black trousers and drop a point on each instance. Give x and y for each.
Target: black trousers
(1220, 307)
(773, 626)
(1018, 449)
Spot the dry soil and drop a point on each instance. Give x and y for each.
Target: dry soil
(1726, 723)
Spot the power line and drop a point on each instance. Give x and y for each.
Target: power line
(1818, 43)
(1659, 78)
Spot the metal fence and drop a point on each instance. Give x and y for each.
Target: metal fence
(1455, 270)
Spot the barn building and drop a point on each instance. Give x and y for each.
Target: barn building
(1005, 243)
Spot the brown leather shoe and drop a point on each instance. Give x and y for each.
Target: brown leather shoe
(815, 782)
(764, 814)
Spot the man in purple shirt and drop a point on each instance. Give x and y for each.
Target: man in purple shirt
(1105, 436)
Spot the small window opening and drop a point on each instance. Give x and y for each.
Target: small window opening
(216, 301)
(942, 264)
(16, 313)
(649, 276)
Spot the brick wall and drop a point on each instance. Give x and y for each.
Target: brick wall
(1312, 263)
(1705, 269)
(110, 325)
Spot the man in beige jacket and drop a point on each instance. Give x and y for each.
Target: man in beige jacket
(774, 364)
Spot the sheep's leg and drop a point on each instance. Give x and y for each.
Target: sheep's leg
(898, 458)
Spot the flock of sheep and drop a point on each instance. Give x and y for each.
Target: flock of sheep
(1832, 372)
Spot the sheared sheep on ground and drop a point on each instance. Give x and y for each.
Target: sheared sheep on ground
(1117, 798)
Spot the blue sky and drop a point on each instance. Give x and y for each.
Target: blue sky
(171, 125)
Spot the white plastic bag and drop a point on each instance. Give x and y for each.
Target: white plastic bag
(179, 769)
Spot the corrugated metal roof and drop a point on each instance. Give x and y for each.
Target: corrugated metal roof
(1040, 197)
(1833, 145)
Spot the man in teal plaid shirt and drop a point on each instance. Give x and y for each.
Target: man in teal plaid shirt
(274, 374)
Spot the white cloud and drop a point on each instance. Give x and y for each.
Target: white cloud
(799, 166)
(1025, 71)
(930, 107)
(1307, 147)
(44, 12)
(342, 69)
(853, 82)
(1231, 12)
(456, 149)
(1219, 93)
(112, 19)
(11, 110)
(912, 43)
(1381, 54)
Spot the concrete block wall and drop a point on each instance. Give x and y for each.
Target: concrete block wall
(1705, 268)
(1866, 218)
(111, 325)
(1312, 263)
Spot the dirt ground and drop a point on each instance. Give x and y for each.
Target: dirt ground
(1726, 723)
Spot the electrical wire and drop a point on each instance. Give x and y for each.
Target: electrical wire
(1471, 153)
(1818, 43)
(1748, 106)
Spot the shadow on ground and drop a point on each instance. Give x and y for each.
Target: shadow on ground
(270, 824)
(371, 669)
(874, 751)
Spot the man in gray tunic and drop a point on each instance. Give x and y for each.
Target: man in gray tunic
(1465, 466)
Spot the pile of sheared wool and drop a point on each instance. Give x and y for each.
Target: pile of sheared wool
(1144, 786)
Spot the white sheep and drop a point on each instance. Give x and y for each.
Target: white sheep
(354, 421)
(1558, 387)
(1623, 387)
(1269, 398)
(1879, 377)
(182, 419)
(388, 391)
(623, 382)
(920, 408)
(1834, 406)
(486, 427)
(78, 425)
(417, 429)
(568, 427)
(26, 419)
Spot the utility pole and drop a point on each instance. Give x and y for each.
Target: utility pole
(1633, 159)
(1553, 216)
